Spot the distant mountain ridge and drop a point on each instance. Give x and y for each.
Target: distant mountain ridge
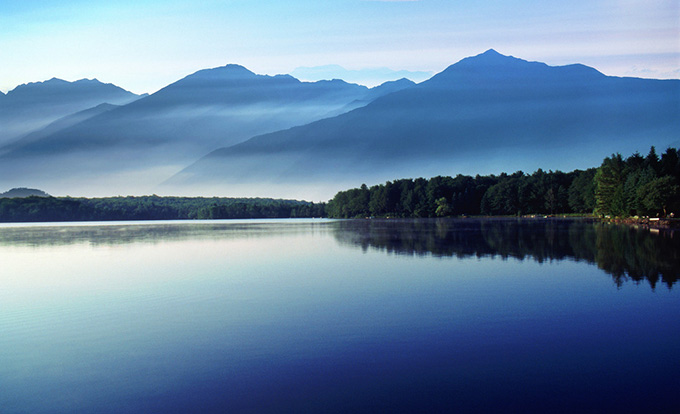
(23, 192)
(32, 106)
(277, 136)
(57, 90)
(158, 135)
(369, 76)
(484, 114)
(56, 126)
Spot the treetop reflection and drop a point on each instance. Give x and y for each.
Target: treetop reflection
(624, 252)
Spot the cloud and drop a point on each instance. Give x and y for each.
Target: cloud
(646, 72)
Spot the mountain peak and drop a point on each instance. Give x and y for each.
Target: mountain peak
(53, 80)
(230, 72)
(491, 61)
(490, 52)
(233, 67)
(492, 66)
(54, 87)
(491, 56)
(395, 85)
(89, 81)
(32, 85)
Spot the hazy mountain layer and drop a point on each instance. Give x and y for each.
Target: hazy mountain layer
(484, 114)
(136, 146)
(56, 126)
(23, 192)
(33, 106)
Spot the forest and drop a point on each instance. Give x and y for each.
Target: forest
(40, 209)
(619, 187)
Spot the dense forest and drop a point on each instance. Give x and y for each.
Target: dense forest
(635, 186)
(639, 185)
(151, 208)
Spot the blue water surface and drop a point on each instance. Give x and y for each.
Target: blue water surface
(322, 316)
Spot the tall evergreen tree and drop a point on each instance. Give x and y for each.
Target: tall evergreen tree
(609, 181)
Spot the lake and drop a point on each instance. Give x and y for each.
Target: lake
(324, 316)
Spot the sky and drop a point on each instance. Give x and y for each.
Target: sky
(143, 45)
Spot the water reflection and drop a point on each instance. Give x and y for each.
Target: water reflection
(120, 233)
(290, 316)
(624, 252)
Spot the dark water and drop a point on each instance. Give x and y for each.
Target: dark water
(339, 316)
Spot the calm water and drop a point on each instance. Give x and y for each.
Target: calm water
(339, 316)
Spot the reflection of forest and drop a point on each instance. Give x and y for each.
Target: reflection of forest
(624, 252)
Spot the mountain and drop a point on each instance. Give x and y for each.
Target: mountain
(376, 92)
(32, 106)
(485, 114)
(23, 192)
(371, 76)
(134, 147)
(56, 126)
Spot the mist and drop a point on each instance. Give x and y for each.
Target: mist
(484, 115)
(132, 148)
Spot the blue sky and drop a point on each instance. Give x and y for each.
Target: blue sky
(142, 45)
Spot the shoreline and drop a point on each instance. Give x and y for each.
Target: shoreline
(647, 222)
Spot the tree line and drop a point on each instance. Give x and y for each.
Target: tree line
(36, 209)
(639, 185)
(635, 186)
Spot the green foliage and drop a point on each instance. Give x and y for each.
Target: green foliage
(34, 208)
(609, 179)
(581, 192)
(637, 185)
(656, 195)
(618, 187)
(152, 208)
(443, 208)
(438, 196)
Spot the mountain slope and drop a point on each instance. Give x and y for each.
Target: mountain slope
(32, 106)
(485, 114)
(56, 126)
(375, 93)
(146, 141)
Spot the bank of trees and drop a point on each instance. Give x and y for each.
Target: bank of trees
(542, 192)
(438, 196)
(151, 208)
(637, 185)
